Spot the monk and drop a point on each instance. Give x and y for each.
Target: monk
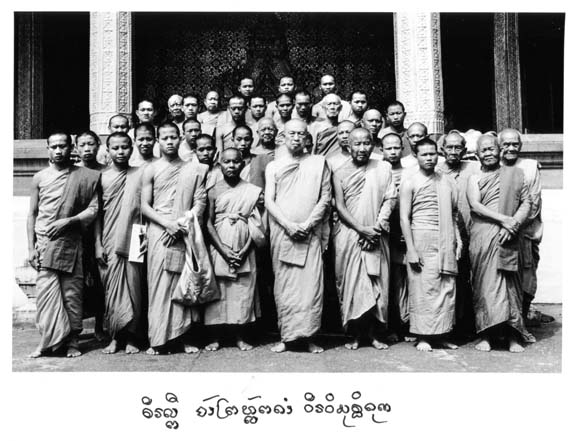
(206, 154)
(284, 108)
(257, 111)
(500, 205)
(395, 115)
(63, 203)
(372, 121)
(454, 148)
(428, 217)
(324, 132)
(145, 140)
(398, 296)
(234, 228)
(116, 123)
(242, 139)
(297, 196)
(358, 106)
(531, 235)
(286, 85)
(338, 159)
(328, 87)
(190, 105)
(192, 130)
(170, 187)
(365, 195)
(223, 133)
(267, 131)
(415, 132)
(88, 144)
(123, 279)
(303, 107)
(209, 118)
(145, 112)
(246, 87)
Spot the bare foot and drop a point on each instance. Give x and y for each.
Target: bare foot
(152, 351)
(409, 338)
(393, 338)
(515, 346)
(445, 344)
(243, 346)
(314, 349)
(131, 348)
(73, 352)
(213, 346)
(424, 346)
(483, 345)
(111, 348)
(37, 353)
(376, 344)
(278, 347)
(190, 349)
(353, 345)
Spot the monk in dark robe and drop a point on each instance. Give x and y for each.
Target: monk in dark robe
(324, 132)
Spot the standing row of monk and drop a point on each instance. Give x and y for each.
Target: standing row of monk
(421, 241)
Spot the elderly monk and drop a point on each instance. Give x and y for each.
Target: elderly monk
(170, 187)
(343, 135)
(123, 280)
(223, 133)
(297, 196)
(191, 130)
(235, 228)
(63, 203)
(328, 87)
(175, 110)
(395, 115)
(209, 118)
(372, 121)
(500, 205)
(286, 85)
(324, 132)
(206, 154)
(399, 310)
(428, 217)
(454, 148)
(531, 234)
(365, 195)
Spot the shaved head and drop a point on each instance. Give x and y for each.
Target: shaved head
(370, 114)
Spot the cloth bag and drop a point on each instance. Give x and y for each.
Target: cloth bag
(197, 283)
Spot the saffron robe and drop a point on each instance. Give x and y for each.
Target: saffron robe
(237, 221)
(208, 121)
(324, 138)
(177, 187)
(432, 290)
(495, 270)
(362, 277)
(123, 280)
(59, 284)
(303, 193)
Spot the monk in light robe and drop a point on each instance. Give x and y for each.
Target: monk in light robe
(327, 87)
(123, 280)
(145, 114)
(116, 123)
(285, 106)
(190, 107)
(324, 132)
(242, 139)
(358, 106)
(415, 132)
(88, 144)
(428, 217)
(235, 228)
(63, 203)
(267, 132)
(209, 118)
(500, 204)
(372, 121)
(170, 188)
(286, 85)
(257, 109)
(338, 159)
(297, 196)
(176, 111)
(145, 141)
(398, 296)
(454, 147)
(365, 195)
(187, 149)
(223, 133)
(206, 154)
(395, 115)
(531, 234)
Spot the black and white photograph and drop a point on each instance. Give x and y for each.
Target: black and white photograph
(334, 218)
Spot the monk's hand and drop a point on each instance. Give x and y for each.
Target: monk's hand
(504, 236)
(57, 227)
(230, 256)
(33, 259)
(296, 231)
(371, 234)
(101, 257)
(414, 260)
(173, 229)
(510, 224)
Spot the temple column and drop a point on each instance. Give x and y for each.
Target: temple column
(29, 103)
(508, 97)
(110, 67)
(419, 68)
